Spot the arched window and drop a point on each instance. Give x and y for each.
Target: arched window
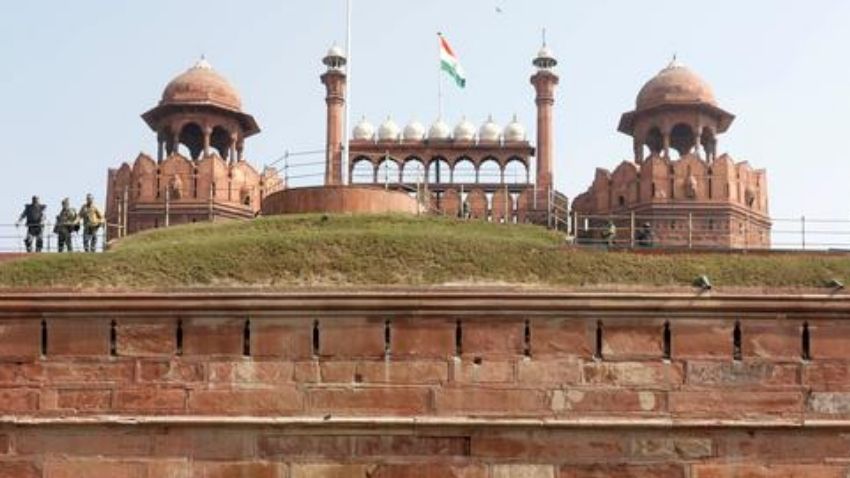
(682, 139)
(439, 171)
(655, 140)
(414, 171)
(220, 141)
(490, 172)
(192, 136)
(388, 171)
(362, 171)
(516, 172)
(463, 171)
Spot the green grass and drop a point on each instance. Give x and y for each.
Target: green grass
(396, 250)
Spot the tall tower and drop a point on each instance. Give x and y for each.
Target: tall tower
(334, 80)
(544, 81)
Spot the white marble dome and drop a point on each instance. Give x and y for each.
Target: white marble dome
(440, 131)
(490, 131)
(464, 131)
(414, 131)
(514, 131)
(388, 131)
(363, 131)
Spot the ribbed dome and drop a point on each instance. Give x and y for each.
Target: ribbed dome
(388, 131)
(490, 131)
(675, 84)
(363, 131)
(414, 131)
(439, 131)
(202, 85)
(464, 131)
(514, 131)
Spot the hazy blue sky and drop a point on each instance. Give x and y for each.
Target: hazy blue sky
(75, 76)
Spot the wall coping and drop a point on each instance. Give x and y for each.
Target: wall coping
(456, 302)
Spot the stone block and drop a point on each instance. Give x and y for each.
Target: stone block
(562, 337)
(493, 338)
(282, 400)
(284, 338)
(20, 339)
(345, 338)
(78, 337)
(491, 401)
(369, 400)
(146, 337)
(213, 337)
(423, 338)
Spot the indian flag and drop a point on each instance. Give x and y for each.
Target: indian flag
(450, 64)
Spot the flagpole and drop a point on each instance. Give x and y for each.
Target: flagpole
(439, 80)
(346, 140)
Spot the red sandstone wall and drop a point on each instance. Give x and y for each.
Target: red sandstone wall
(338, 199)
(424, 384)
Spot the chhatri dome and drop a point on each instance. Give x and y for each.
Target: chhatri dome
(464, 131)
(388, 131)
(514, 131)
(201, 85)
(364, 130)
(414, 131)
(440, 131)
(675, 84)
(490, 131)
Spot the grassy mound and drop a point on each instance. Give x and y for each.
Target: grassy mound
(395, 250)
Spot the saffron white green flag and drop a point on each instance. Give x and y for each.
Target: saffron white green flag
(450, 64)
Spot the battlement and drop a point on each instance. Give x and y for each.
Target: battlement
(455, 381)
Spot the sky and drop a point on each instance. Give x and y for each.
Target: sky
(75, 76)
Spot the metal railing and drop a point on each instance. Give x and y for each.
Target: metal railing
(12, 238)
(710, 231)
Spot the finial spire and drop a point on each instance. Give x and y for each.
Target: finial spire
(544, 36)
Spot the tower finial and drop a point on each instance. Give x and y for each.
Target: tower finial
(544, 36)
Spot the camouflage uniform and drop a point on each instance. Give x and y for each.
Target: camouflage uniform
(610, 233)
(34, 216)
(67, 222)
(92, 221)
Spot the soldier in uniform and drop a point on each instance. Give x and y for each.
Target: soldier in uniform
(644, 235)
(67, 223)
(92, 221)
(34, 216)
(609, 234)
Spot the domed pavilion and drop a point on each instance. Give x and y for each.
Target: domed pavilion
(199, 172)
(677, 186)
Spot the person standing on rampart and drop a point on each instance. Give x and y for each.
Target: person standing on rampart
(34, 216)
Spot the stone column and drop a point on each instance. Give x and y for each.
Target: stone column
(637, 146)
(544, 82)
(335, 85)
(207, 137)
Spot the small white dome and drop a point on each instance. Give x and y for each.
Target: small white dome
(336, 50)
(389, 130)
(440, 131)
(490, 131)
(514, 131)
(545, 52)
(363, 131)
(465, 131)
(414, 131)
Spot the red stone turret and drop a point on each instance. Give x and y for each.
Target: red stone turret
(334, 80)
(544, 81)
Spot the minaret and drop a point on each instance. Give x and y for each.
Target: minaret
(544, 81)
(334, 80)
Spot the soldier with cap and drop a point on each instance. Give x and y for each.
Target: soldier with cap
(609, 233)
(92, 221)
(67, 223)
(34, 216)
